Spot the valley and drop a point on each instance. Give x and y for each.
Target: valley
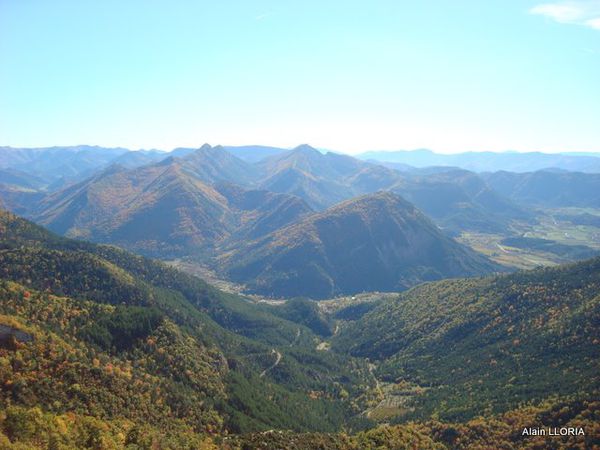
(568, 239)
(295, 297)
(299, 225)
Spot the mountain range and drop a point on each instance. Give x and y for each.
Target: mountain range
(325, 179)
(286, 222)
(490, 161)
(190, 206)
(164, 209)
(547, 188)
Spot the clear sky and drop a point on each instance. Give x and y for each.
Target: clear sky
(339, 74)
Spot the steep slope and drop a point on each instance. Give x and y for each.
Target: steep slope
(57, 167)
(479, 192)
(158, 209)
(487, 343)
(501, 431)
(68, 378)
(375, 242)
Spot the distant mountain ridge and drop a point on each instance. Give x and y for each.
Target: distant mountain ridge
(323, 180)
(253, 153)
(547, 188)
(52, 164)
(490, 161)
(457, 201)
(73, 163)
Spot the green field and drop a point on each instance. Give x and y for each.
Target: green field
(547, 227)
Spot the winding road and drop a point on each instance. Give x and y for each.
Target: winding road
(272, 366)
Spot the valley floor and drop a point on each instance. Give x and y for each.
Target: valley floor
(550, 226)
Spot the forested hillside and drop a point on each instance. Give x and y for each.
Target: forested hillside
(377, 242)
(103, 322)
(487, 344)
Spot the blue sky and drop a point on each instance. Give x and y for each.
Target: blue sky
(345, 75)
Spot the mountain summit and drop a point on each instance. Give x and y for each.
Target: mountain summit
(377, 242)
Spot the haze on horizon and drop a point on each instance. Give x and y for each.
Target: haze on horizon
(387, 75)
